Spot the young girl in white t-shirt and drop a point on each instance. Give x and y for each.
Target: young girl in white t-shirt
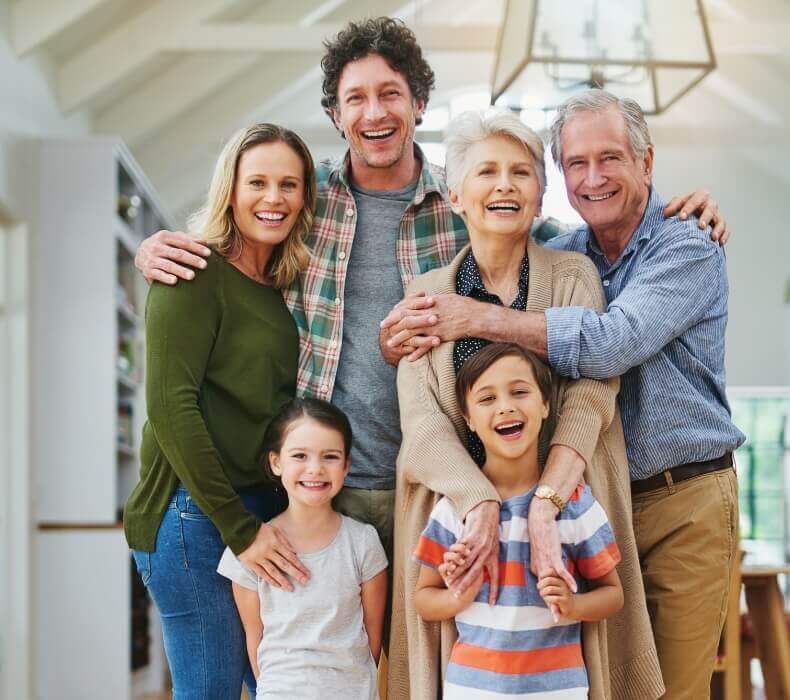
(323, 638)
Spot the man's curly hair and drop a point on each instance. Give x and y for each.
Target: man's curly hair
(389, 38)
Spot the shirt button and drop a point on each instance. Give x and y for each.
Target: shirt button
(342, 255)
(324, 388)
(333, 344)
(350, 211)
(337, 301)
(606, 283)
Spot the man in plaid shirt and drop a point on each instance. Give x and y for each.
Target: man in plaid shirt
(386, 199)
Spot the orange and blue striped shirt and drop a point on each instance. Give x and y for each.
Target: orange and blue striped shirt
(514, 649)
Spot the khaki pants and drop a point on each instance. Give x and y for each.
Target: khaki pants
(370, 506)
(375, 508)
(686, 536)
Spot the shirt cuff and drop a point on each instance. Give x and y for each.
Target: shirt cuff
(563, 334)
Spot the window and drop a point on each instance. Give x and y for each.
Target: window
(763, 464)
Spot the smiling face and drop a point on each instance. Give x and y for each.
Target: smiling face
(506, 409)
(606, 183)
(500, 193)
(268, 193)
(376, 113)
(312, 463)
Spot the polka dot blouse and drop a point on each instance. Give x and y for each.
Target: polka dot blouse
(469, 283)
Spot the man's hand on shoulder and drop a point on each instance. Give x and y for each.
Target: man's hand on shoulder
(705, 208)
(168, 256)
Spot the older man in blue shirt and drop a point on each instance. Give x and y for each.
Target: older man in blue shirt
(665, 283)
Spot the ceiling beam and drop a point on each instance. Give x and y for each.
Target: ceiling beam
(191, 80)
(34, 22)
(283, 87)
(207, 126)
(276, 82)
(118, 53)
(249, 36)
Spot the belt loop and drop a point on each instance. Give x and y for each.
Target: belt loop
(668, 478)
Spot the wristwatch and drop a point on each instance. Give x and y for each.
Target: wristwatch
(549, 494)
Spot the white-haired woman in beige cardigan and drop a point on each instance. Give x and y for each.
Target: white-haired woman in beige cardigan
(496, 176)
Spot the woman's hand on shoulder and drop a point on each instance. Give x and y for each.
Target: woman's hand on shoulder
(163, 256)
(272, 558)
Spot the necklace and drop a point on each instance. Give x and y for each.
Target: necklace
(253, 274)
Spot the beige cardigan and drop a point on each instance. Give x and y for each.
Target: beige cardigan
(433, 461)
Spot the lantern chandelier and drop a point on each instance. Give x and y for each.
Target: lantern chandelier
(653, 51)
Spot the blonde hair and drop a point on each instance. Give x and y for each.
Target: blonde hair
(468, 128)
(213, 223)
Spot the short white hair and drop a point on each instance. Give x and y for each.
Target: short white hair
(597, 100)
(469, 128)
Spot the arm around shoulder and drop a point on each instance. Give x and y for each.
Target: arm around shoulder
(163, 257)
(587, 406)
(681, 274)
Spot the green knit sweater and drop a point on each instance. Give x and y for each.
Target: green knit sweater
(221, 359)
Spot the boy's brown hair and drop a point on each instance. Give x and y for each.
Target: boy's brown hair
(477, 364)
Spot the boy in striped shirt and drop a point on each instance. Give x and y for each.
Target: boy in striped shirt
(529, 643)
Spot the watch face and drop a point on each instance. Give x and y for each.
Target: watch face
(543, 491)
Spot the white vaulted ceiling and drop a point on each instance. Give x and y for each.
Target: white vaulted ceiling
(173, 78)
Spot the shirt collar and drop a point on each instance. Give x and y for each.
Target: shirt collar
(428, 181)
(469, 278)
(654, 215)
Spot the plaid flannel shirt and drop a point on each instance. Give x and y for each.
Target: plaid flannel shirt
(430, 236)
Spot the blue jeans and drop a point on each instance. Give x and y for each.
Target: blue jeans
(204, 639)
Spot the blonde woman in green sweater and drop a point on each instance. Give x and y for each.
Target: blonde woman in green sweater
(222, 356)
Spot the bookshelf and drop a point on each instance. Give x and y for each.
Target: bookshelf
(93, 207)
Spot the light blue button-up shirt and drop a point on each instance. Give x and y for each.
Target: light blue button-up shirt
(663, 333)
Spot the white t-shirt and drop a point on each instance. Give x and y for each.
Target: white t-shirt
(314, 642)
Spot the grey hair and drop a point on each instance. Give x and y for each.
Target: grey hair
(597, 100)
(470, 127)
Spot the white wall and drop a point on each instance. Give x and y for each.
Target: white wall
(28, 110)
(756, 203)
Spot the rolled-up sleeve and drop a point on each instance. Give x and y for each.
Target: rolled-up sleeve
(670, 291)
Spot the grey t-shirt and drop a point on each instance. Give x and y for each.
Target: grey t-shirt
(365, 385)
(314, 642)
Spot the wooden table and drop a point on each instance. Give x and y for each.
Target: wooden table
(767, 612)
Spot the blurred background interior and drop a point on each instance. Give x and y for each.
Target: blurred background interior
(112, 113)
